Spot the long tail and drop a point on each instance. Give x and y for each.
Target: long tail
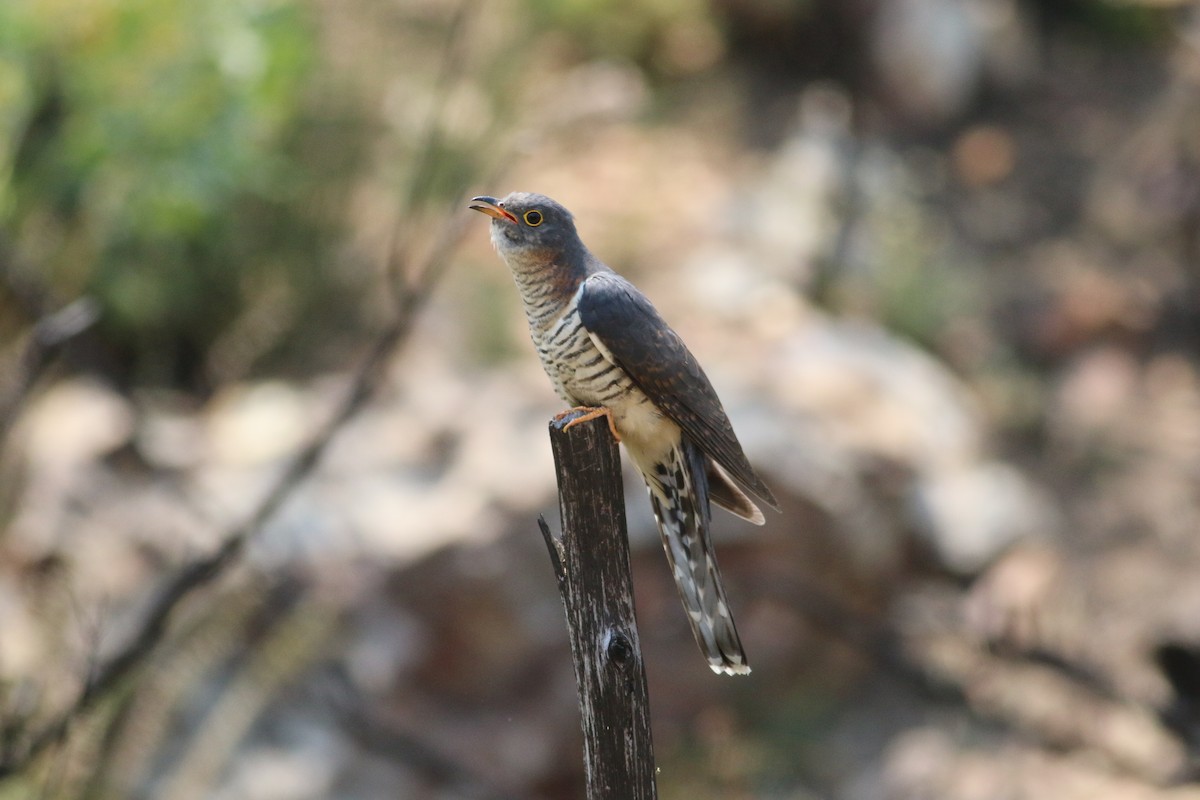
(679, 495)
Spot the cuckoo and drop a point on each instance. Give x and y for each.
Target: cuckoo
(608, 352)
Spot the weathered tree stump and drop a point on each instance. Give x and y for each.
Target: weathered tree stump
(591, 562)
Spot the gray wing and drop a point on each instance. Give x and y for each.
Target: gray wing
(658, 361)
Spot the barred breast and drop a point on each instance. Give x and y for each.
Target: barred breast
(578, 369)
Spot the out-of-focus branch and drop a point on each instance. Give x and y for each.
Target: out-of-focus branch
(48, 335)
(376, 733)
(48, 331)
(411, 287)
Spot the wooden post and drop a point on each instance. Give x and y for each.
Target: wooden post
(591, 562)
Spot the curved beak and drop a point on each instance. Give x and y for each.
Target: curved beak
(491, 207)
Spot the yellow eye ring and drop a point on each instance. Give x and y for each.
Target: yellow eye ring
(533, 218)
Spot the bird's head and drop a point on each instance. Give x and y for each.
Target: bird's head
(529, 227)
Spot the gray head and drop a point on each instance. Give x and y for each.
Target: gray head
(531, 227)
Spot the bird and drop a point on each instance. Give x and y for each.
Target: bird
(608, 352)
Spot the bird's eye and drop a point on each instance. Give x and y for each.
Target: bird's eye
(533, 218)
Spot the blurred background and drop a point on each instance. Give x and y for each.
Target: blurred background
(274, 438)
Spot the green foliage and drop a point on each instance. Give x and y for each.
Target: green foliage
(1116, 22)
(153, 156)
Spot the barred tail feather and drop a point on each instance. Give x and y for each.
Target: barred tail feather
(680, 497)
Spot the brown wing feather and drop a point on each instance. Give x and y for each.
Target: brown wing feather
(658, 361)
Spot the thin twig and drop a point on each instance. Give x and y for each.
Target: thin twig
(451, 69)
(555, 547)
(46, 338)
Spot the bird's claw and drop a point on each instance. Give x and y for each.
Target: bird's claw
(580, 414)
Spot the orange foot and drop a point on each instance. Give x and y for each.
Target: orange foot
(588, 413)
